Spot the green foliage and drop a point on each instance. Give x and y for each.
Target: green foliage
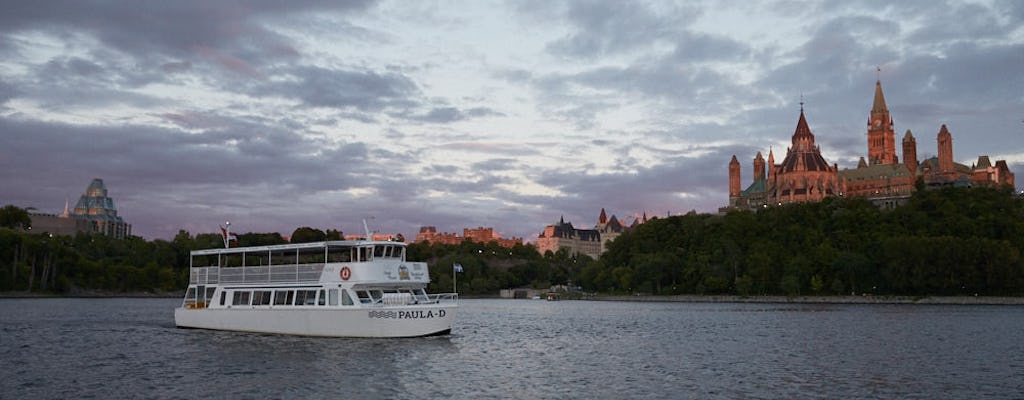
(14, 218)
(947, 242)
(307, 235)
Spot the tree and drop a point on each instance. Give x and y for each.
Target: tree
(307, 235)
(14, 218)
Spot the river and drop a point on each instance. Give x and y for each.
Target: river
(526, 349)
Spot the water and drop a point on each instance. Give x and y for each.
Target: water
(129, 348)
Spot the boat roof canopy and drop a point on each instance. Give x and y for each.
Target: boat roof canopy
(295, 246)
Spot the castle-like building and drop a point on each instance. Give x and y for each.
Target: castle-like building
(805, 176)
(590, 242)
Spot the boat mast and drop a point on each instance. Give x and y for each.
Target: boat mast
(227, 234)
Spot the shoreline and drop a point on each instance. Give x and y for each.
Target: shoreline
(91, 294)
(949, 300)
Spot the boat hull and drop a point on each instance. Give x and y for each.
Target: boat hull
(371, 322)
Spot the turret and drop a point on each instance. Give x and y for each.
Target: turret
(945, 140)
(910, 152)
(734, 178)
(758, 167)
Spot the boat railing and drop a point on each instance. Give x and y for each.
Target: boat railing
(203, 275)
(443, 297)
(404, 299)
(296, 273)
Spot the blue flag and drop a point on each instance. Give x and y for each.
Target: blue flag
(457, 267)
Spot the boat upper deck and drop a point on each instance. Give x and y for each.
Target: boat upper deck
(356, 261)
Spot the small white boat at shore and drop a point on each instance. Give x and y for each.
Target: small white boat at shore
(334, 289)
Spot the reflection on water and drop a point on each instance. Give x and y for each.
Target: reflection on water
(129, 348)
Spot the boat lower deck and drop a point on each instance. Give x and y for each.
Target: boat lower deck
(391, 321)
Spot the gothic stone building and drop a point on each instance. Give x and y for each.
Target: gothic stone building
(590, 242)
(804, 175)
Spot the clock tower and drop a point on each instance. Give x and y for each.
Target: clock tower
(881, 138)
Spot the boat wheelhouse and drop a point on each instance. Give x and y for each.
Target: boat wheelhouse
(335, 288)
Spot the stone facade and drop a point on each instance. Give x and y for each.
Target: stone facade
(589, 242)
(805, 176)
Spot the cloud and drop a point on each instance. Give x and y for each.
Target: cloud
(607, 28)
(443, 115)
(278, 115)
(361, 90)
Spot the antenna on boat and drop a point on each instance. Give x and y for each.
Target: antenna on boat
(227, 234)
(367, 229)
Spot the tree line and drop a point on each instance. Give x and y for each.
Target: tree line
(955, 241)
(946, 242)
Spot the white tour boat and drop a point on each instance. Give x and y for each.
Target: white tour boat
(336, 288)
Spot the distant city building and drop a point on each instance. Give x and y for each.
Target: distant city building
(480, 235)
(58, 224)
(805, 176)
(383, 237)
(590, 242)
(94, 213)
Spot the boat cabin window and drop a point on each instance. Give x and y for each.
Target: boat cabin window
(305, 297)
(261, 298)
(339, 254)
(364, 253)
(370, 296)
(240, 298)
(322, 298)
(283, 297)
(386, 251)
(333, 293)
(223, 296)
(346, 300)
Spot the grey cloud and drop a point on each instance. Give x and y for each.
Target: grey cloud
(957, 22)
(7, 91)
(440, 115)
(169, 28)
(495, 164)
(345, 89)
(615, 27)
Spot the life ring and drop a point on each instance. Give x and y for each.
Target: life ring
(345, 273)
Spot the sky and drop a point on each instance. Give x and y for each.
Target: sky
(458, 114)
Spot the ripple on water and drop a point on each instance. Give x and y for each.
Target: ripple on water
(129, 348)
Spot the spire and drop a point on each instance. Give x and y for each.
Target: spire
(603, 219)
(908, 137)
(803, 139)
(879, 105)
